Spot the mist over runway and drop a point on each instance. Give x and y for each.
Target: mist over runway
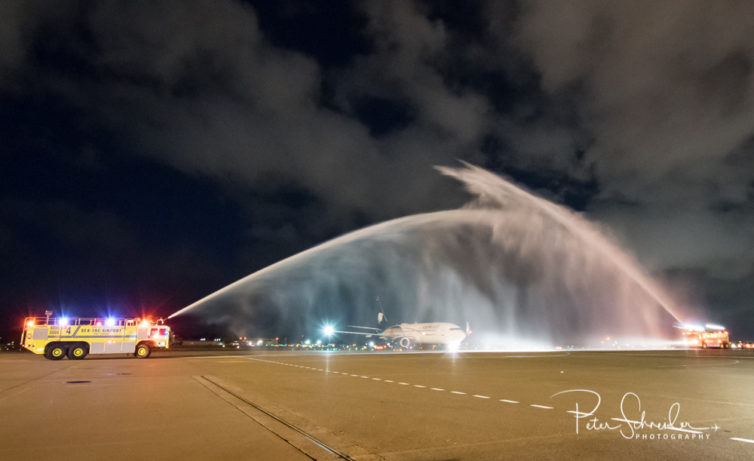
(520, 269)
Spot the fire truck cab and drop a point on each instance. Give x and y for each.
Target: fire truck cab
(75, 338)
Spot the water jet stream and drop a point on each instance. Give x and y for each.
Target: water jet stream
(478, 179)
(509, 261)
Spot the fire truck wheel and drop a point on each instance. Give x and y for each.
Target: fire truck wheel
(56, 352)
(78, 352)
(143, 351)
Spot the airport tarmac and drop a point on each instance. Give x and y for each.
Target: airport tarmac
(413, 406)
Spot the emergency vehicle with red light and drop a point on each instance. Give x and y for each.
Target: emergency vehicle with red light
(705, 336)
(75, 338)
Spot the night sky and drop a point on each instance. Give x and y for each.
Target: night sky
(153, 152)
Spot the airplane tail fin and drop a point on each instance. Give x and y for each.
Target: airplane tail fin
(381, 318)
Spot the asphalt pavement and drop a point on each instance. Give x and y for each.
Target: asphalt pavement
(414, 406)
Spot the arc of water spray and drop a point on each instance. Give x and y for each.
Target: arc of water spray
(316, 249)
(572, 222)
(478, 181)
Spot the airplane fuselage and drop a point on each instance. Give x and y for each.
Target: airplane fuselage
(426, 333)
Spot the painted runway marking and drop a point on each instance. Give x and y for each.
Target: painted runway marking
(544, 407)
(738, 439)
(479, 396)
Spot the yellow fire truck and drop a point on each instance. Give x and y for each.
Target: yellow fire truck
(58, 337)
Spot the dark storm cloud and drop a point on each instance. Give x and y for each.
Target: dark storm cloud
(667, 92)
(642, 110)
(197, 85)
(667, 88)
(11, 47)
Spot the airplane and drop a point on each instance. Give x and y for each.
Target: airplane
(406, 335)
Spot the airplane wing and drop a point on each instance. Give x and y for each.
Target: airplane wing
(368, 334)
(365, 328)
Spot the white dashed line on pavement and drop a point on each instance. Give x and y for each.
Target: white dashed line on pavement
(738, 439)
(439, 389)
(544, 407)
